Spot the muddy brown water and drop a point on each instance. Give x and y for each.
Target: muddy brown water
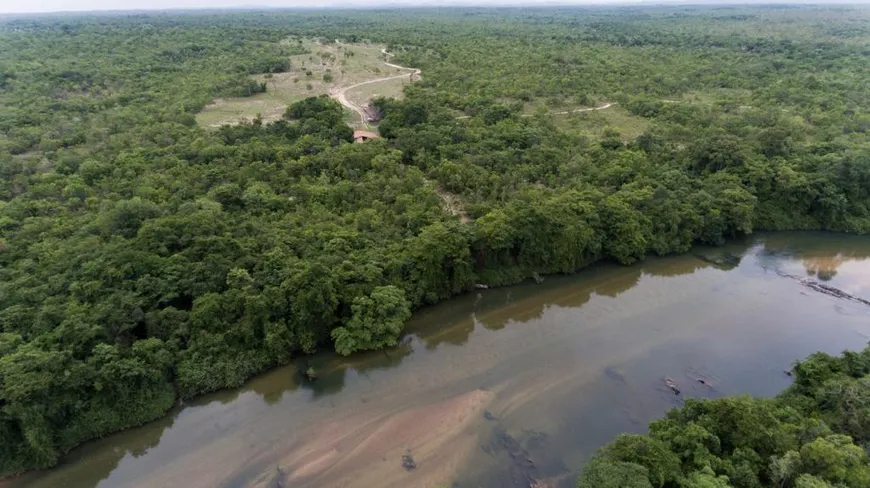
(509, 387)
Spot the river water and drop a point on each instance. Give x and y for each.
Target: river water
(512, 386)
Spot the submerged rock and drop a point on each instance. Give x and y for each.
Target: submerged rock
(310, 374)
(615, 374)
(408, 462)
(672, 385)
(535, 440)
(831, 291)
(523, 470)
(821, 287)
(279, 480)
(725, 260)
(488, 415)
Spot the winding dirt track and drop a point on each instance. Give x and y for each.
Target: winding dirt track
(575, 111)
(340, 93)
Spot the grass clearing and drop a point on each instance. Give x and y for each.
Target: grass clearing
(714, 96)
(554, 105)
(390, 88)
(593, 124)
(347, 64)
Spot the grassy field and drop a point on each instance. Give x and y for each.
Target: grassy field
(390, 88)
(347, 64)
(719, 96)
(594, 124)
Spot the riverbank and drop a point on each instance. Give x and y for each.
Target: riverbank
(565, 365)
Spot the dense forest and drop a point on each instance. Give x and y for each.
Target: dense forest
(145, 259)
(813, 435)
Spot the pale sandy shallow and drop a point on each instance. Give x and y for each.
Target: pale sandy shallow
(362, 449)
(359, 451)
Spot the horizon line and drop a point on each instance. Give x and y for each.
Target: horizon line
(408, 4)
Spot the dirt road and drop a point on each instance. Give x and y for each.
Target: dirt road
(577, 110)
(340, 93)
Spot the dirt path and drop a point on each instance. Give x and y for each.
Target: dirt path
(575, 111)
(340, 93)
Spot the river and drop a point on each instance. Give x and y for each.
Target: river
(511, 386)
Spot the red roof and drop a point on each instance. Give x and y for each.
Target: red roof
(364, 134)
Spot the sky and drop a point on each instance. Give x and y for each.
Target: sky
(25, 6)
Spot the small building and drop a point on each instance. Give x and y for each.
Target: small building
(364, 135)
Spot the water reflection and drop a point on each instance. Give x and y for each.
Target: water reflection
(824, 268)
(332, 371)
(495, 309)
(93, 462)
(272, 385)
(841, 266)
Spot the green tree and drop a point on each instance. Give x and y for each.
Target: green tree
(376, 321)
(614, 474)
(663, 466)
(810, 481)
(784, 469)
(836, 459)
(706, 478)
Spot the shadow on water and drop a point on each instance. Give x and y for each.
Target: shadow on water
(286, 380)
(92, 463)
(331, 370)
(270, 386)
(496, 308)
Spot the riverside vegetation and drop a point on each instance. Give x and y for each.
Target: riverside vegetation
(813, 435)
(145, 259)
